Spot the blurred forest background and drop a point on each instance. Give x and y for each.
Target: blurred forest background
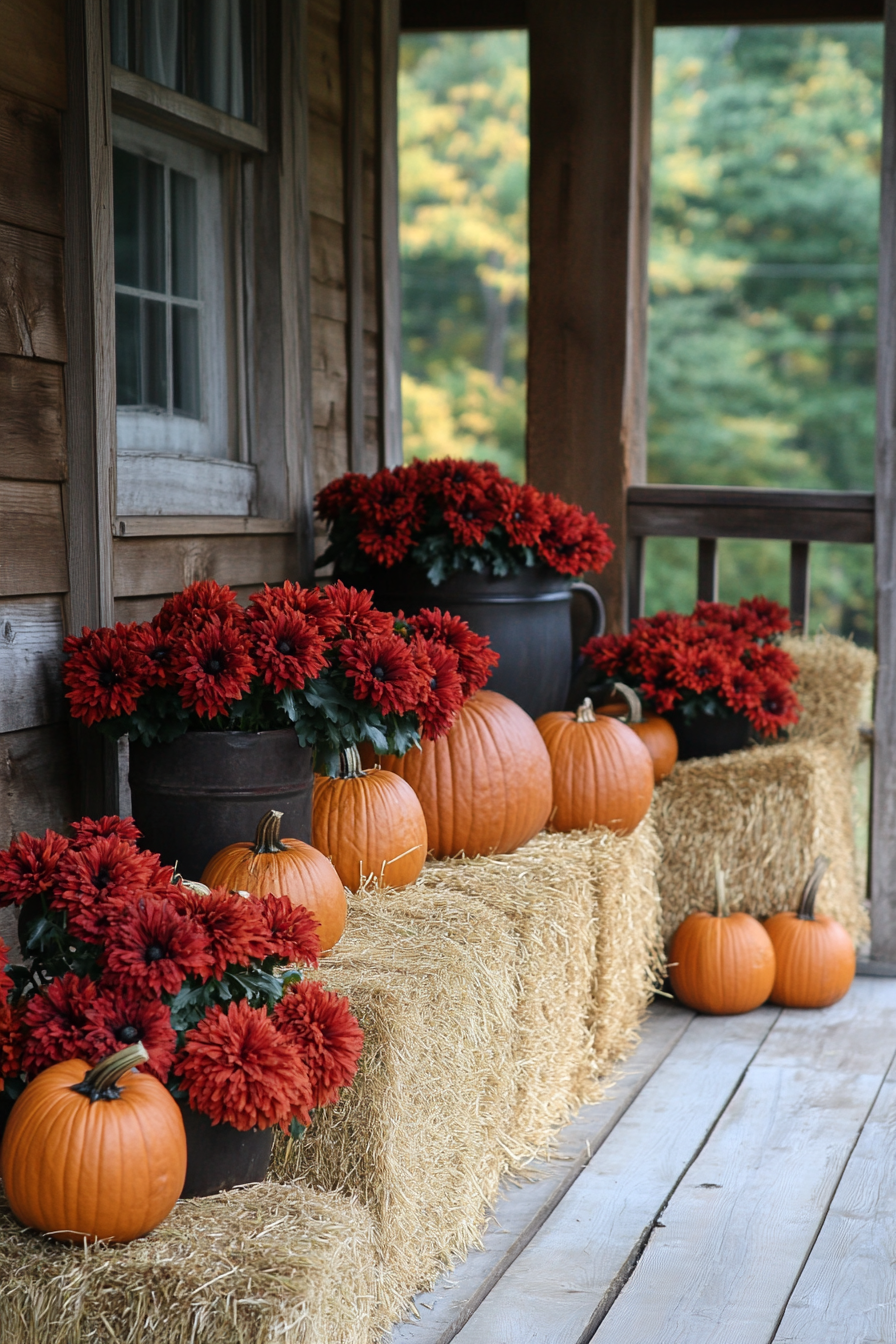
(763, 268)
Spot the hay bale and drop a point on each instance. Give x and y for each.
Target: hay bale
(767, 812)
(263, 1263)
(834, 688)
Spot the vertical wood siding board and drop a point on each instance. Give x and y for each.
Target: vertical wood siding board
(324, 84)
(32, 304)
(585, 322)
(327, 252)
(30, 653)
(634, 395)
(30, 165)
(37, 785)
(32, 50)
(352, 49)
(32, 539)
(325, 169)
(32, 420)
(387, 218)
(883, 824)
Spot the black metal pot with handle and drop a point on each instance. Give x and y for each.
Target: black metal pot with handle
(220, 1157)
(527, 617)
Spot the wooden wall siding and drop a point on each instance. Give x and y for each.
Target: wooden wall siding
(36, 781)
(32, 50)
(32, 308)
(32, 539)
(30, 641)
(149, 565)
(32, 420)
(30, 165)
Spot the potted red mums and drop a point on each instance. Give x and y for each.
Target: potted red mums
(209, 982)
(503, 556)
(717, 674)
(225, 707)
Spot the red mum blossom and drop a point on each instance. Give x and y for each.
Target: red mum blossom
(288, 649)
(155, 647)
(475, 657)
(473, 515)
(322, 1025)
(291, 598)
(608, 653)
(56, 1024)
(292, 932)
(157, 948)
(98, 884)
(235, 926)
(439, 711)
(391, 512)
(698, 668)
(5, 982)
(121, 1016)
(103, 673)
(385, 545)
(522, 514)
(196, 604)
(743, 690)
(213, 668)
(12, 1039)
(89, 829)
(448, 479)
(340, 495)
(572, 541)
(353, 611)
(239, 1070)
(383, 670)
(778, 707)
(29, 866)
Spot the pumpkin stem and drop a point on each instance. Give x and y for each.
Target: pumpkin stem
(350, 766)
(810, 890)
(634, 704)
(267, 834)
(585, 712)
(721, 894)
(100, 1082)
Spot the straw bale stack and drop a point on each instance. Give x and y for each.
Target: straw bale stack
(834, 688)
(263, 1263)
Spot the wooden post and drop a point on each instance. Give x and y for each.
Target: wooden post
(389, 262)
(707, 569)
(352, 35)
(800, 581)
(883, 808)
(589, 192)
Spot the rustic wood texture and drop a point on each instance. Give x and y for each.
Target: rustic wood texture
(30, 659)
(37, 786)
(32, 421)
(32, 539)
(424, 16)
(744, 511)
(708, 569)
(32, 50)
(353, 180)
(590, 70)
(142, 99)
(389, 406)
(800, 582)
(166, 564)
(169, 485)
(32, 308)
(30, 165)
(883, 804)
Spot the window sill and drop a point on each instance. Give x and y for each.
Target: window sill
(168, 110)
(200, 527)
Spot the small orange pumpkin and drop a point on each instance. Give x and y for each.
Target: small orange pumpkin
(369, 823)
(97, 1154)
(485, 788)
(721, 963)
(284, 867)
(815, 958)
(655, 732)
(602, 772)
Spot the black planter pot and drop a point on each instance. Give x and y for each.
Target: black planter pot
(220, 1157)
(193, 796)
(708, 735)
(528, 619)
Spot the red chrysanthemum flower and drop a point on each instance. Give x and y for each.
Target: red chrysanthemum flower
(386, 545)
(354, 613)
(292, 932)
(778, 706)
(608, 653)
(5, 982)
(156, 948)
(56, 1024)
(390, 512)
(340, 495)
(475, 656)
(743, 690)
(448, 479)
(237, 1069)
(89, 829)
(235, 926)
(698, 668)
(439, 711)
(120, 1015)
(154, 646)
(213, 668)
(198, 603)
(522, 514)
(472, 514)
(572, 541)
(287, 649)
(98, 884)
(103, 674)
(29, 866)
(290, 598)
(12, 1039)
(382, 669)
(325, 1029)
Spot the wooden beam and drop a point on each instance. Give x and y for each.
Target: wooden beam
(32, 50)
(352, 35)
(743, 511)
(389, 263)
(427, 16)
(708, 569)
(588, 192)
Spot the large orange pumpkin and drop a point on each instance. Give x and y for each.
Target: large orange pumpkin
(284, 867)
(655, 732)
(94, 1153)
(368, 823)
(602, 772)
(815, 958)
(485, 788)
(721, 963)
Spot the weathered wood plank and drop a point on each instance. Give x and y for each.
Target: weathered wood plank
(36, 781)
(327, 252)
(30, 165)
(385, 195)
(353, 178)
(32, 52)
(325, 168)
(32, 309)
(32, 420)
(176, 485)
(523, 1207)
(324, 82)
(148, 565)
(561, 1281)
(30, 656)
(732, 1241)
(32, 539)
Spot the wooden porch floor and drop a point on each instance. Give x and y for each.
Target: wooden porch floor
(736, 1186)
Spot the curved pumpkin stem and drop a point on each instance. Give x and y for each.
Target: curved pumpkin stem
(267, 834)
(585, 712)
(721, 894)
(350, 766)
(101, 1082)
(806, 908)
(634, 704)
